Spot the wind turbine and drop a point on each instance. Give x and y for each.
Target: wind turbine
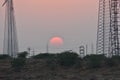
(5, 2)
(10, 34)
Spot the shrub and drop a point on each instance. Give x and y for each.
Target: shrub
(18, 63)
(94, 61)
(78, 63)
(44, 56)
(110, 62)
(51, 63)
(67, 58)
(23, 54)
(113, 61)
(4, 56)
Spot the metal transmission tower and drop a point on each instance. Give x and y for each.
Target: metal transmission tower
(10, 35)
(108, 28)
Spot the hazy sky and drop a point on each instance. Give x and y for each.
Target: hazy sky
(39, 20)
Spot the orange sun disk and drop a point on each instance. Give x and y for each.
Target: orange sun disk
(56, 41)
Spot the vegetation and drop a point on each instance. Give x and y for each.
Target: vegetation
(113, 61)
(23, 54)
(4, 56)
(19, 62)
(95, 61)
(44, 56)
(66, 59)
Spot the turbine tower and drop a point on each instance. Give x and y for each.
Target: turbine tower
(10, 36)
(108, 34)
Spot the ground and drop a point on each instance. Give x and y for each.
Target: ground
(39, 69)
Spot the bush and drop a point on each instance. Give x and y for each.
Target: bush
(110, 62)
(94, 61)
(67, 58)
(23, 54)
(51, 63)
(18, 63)
(4, 56)
(113, 61)
(44, 56)
(78, 63)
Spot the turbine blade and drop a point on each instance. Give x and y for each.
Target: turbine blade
(5, 2)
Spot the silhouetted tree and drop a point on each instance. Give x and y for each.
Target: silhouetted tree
(23, 54)
(67, 58)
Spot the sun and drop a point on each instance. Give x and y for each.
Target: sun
(56, 41)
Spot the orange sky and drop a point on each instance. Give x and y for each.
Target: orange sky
(54, 7)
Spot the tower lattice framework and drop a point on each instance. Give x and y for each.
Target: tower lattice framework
(10, 35)
(108, 33)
